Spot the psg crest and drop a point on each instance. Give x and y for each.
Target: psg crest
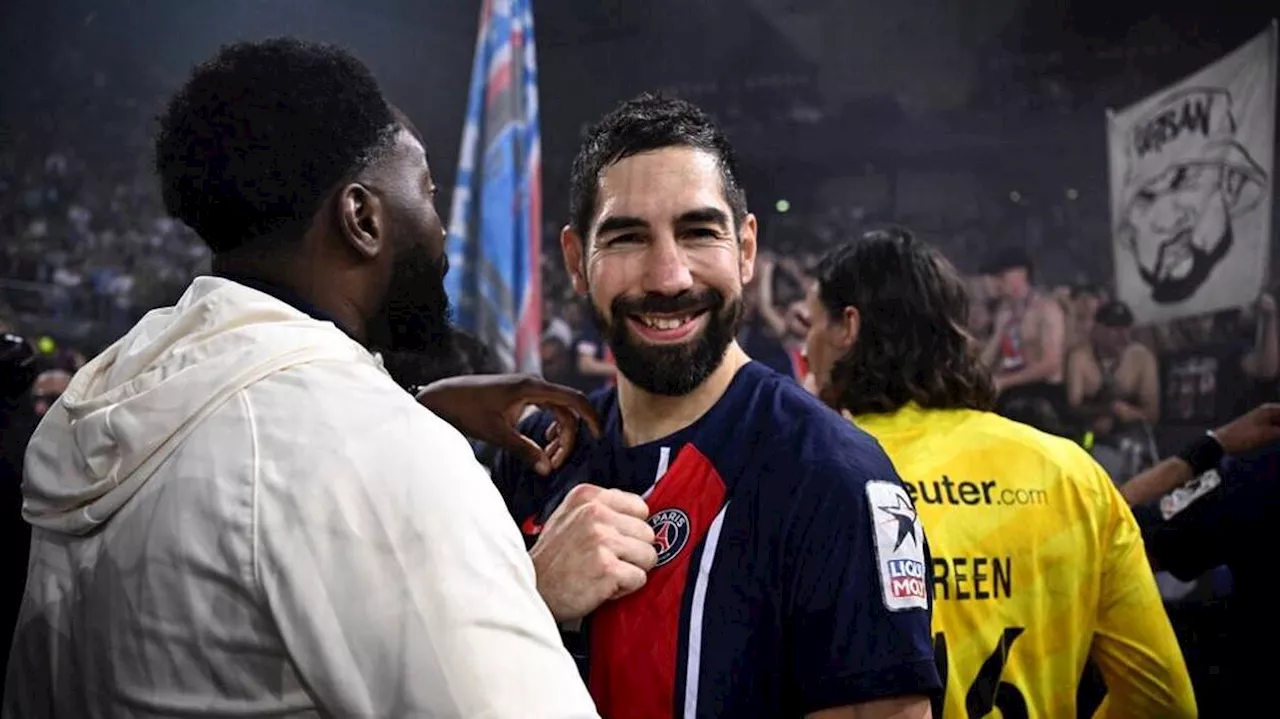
(670, 533)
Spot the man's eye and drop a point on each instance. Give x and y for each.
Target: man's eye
(620, 240)
(704, 233)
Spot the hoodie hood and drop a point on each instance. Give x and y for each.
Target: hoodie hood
(129, 409)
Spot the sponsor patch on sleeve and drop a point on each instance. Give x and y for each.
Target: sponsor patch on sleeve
(899, 547)
(1182, 497)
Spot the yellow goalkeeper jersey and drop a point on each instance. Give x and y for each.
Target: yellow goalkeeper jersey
(1037, 565)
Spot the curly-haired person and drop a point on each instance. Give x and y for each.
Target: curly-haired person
(1038, 565)
(236, 511)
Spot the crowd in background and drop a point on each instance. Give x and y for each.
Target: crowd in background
(85, 249)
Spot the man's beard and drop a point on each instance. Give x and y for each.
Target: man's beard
(414, 316)
(1172, 290)
(671, 370)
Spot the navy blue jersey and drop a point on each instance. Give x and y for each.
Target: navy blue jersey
(1234, 525)
(792, 571)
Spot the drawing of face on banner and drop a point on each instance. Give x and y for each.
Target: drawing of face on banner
(1186, 181)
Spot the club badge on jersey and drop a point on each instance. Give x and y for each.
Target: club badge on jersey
(670, 532)
(899, 547)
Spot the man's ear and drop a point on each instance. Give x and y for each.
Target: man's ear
(574, 249)
(747, 249)
(360, 220)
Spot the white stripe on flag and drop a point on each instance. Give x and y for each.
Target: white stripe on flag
(498, 61)
(694, 656)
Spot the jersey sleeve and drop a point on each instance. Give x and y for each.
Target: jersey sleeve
(406, 589)
(1195, 540)
(1204, 534)
(856, 574)
(1134, 645)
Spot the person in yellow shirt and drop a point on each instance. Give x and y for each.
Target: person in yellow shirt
(1037, 563)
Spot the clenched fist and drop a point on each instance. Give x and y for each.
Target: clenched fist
(595, 547)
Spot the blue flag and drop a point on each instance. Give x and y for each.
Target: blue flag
(495, 224)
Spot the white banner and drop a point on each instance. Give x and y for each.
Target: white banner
(1191, 174)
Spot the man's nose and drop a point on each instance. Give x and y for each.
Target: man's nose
(666, 267)
(1180, 214)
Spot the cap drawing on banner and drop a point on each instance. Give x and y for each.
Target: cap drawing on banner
(1189, 128)
(1186, 180)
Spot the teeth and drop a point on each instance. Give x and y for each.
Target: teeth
(664, 323)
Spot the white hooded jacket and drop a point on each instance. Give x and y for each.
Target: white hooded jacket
(237, 513)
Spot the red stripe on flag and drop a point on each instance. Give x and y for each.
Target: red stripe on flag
(529, 329)
(499, 80)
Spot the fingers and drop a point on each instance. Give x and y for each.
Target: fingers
(566, 437)
(578, 496)
(629, 578)
(630, 527)
(624, 503)
(595, 547)
(609, 503)
(537, 391)
(635, 552)
(1270, 412)
(528, 451)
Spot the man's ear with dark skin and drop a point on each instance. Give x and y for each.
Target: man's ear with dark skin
(360, 220)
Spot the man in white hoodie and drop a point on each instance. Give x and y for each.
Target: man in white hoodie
(237, 512)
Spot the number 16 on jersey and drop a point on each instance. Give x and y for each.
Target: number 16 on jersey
(987, 692)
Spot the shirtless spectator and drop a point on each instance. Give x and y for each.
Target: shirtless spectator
(1027, 345)
(1082, 309)
(1113, 381)
(1113, 389)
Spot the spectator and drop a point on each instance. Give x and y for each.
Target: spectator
(595, 368)
(557, 358)
(777, 338)
(1209, 374)
(1113, 389)
(46, 390)
(1083, 304)
(1026, 349)
(756, 335)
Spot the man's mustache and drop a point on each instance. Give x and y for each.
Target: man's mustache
(689, 301)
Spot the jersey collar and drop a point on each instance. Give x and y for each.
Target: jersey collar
(908, 419)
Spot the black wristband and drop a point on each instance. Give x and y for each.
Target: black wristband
(1203, 454)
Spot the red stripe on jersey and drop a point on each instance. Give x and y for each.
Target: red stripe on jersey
(799, 363)
(635, 640)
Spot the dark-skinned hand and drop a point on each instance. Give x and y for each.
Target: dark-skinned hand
(489, 408)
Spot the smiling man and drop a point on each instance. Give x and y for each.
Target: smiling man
(729, 547)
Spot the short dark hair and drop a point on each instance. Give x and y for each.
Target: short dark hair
(651, 121)
(912, 345)
(250, 146)
(1009, 258)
